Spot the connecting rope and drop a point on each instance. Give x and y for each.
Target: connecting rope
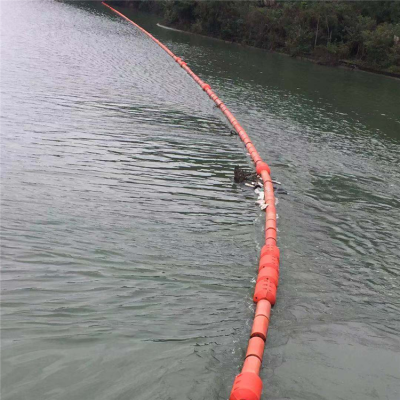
(248, 384)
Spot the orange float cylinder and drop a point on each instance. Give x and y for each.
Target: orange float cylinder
(269, 187)
(255, 152)
(265, 290)
(250, 147)
(268, 261)
(236, 125)
(260, 327)
(269, 198)
(213, 97)
(269, 273)
(262, 166)
(247, 386)
(271, 211)
(270, 214)
(270, 224)
(270, 250)
(265, 175)
(270, 232)
(263, 307)
(256, 157)
(252, 364)
(228, 114)
(270, 236)
(268, 190)
(256, 347)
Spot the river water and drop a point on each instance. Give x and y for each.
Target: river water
(129, 254)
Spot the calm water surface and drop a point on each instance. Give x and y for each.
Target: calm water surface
(128, 253)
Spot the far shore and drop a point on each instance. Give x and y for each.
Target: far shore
(352, 65)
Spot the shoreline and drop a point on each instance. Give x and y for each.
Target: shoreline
(343, 64)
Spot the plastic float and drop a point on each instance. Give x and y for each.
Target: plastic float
(248, 384)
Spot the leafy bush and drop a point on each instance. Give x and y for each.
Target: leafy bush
(378, 44)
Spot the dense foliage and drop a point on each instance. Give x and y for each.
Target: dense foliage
(365, 32)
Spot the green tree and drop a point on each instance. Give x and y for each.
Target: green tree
(379, 44)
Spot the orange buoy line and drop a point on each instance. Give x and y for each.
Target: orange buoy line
(248, 384)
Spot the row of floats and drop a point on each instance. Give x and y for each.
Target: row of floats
(248, 384)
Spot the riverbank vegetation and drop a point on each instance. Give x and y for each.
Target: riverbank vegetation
(361, 33)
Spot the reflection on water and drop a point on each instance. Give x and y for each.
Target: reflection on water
(128, 253)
